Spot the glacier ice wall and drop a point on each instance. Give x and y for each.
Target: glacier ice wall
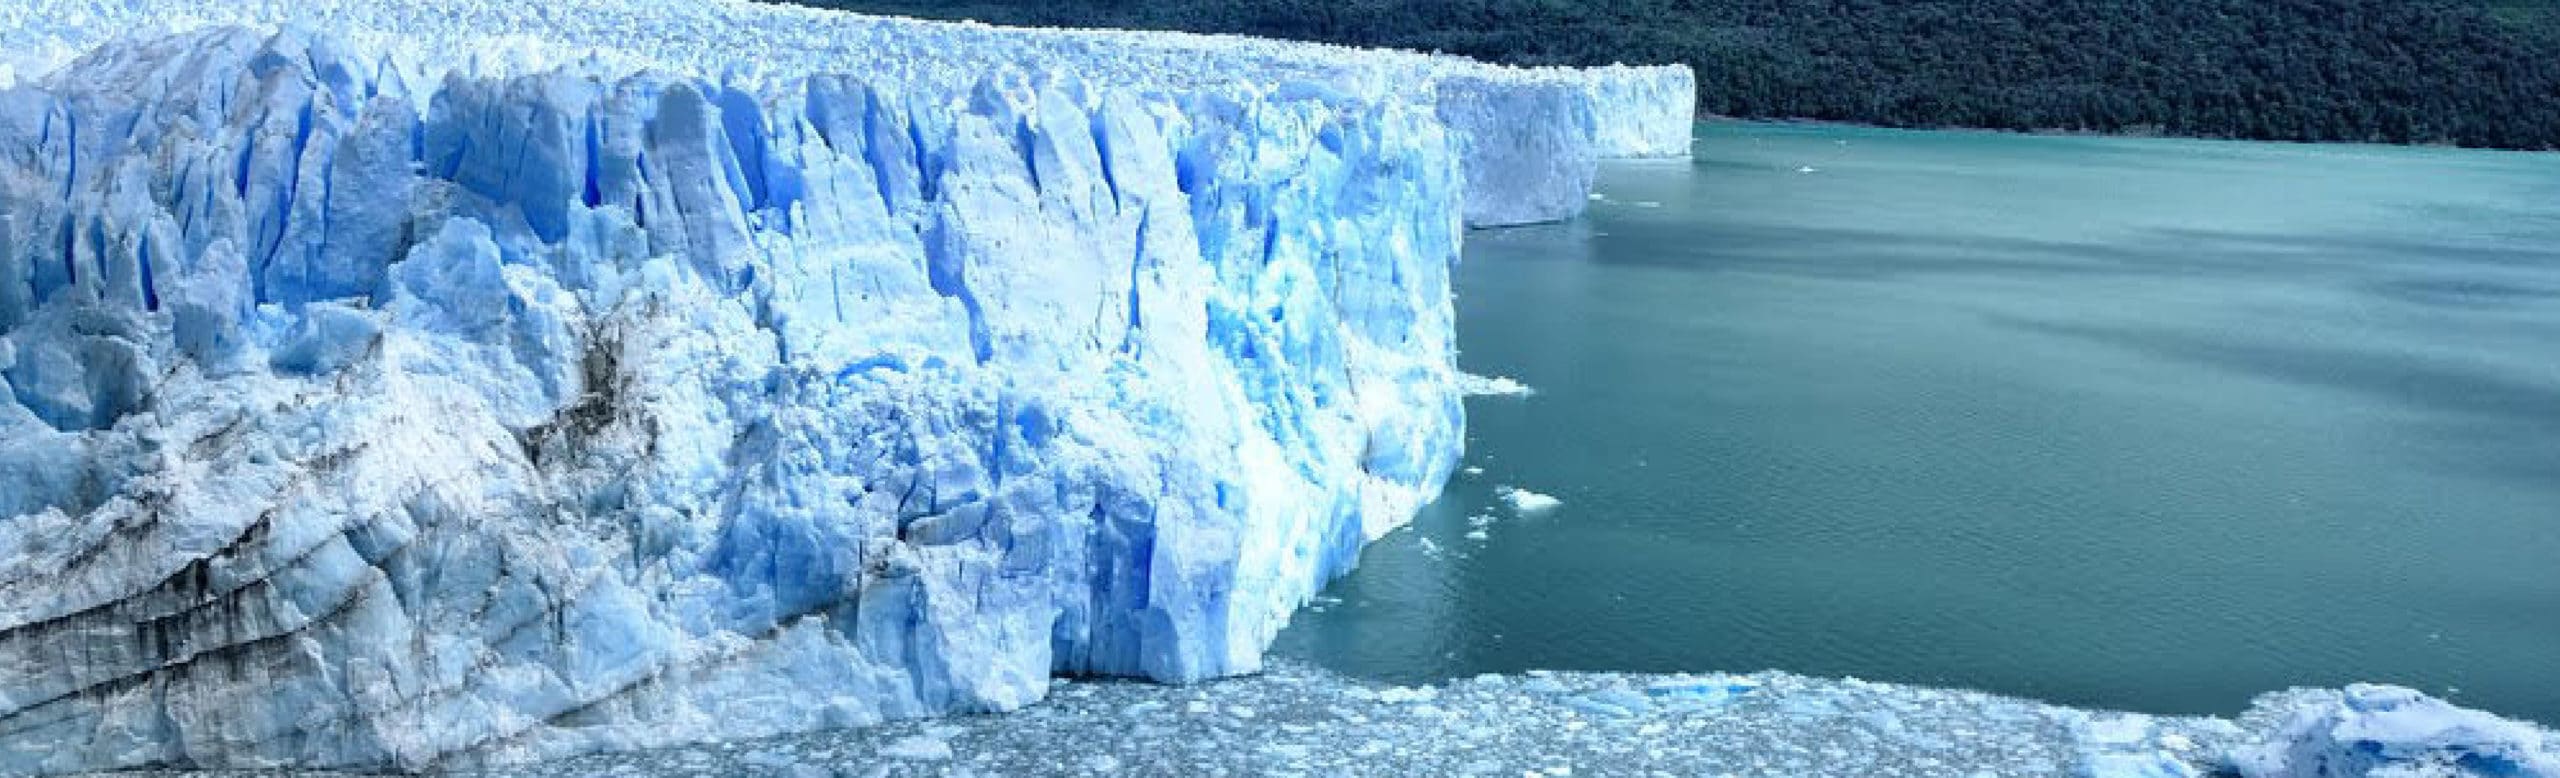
(1597, 113)
(354, 416)
(1547, 166)
(1642, 112)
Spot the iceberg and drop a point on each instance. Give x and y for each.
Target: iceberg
(2380, 730)
(410, 385)
(1524, 502)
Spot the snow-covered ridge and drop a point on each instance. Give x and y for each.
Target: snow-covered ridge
(353, 417)
(1530, 164)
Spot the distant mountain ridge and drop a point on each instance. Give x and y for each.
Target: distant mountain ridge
(2480, 73)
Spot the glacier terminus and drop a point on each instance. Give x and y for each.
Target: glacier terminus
(418, 385)
(411, 385)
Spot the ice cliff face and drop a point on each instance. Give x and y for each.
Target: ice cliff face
(383, 392)
(352, 419)
(1643, 112)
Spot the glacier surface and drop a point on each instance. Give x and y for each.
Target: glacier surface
(1529, 165)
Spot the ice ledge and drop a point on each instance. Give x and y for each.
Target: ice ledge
(1531, 162)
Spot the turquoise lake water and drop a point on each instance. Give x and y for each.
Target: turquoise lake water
(2141, 424)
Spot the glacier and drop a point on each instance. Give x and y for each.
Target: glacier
(422, 385)
(1559, 119)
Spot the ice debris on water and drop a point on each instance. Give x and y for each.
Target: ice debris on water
(2380, 730)
(1759, 725)
(2130, 745)
(921, 747)
(1493, 386)
(1525, 502)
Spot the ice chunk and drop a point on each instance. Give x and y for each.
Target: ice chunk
(1614, 702)
(2135, 765)
(1699, 692)
(2380, 730)
(1525, 502)
(1493, 386)
(2127, 746)
(1406, 694)
(918, 748)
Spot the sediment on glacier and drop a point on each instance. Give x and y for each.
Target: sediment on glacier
(358, 408)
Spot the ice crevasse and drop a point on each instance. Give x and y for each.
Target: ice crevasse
(1527, 137)
(366, 403)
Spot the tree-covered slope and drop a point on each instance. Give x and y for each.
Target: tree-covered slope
(2468, 72)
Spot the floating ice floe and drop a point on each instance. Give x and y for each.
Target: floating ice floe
(1525, 502)
(2377, 730)
(1761, 725)
(1493, 386)
(923, 747)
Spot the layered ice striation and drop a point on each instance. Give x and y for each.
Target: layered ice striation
(1528, 162)
(358, 410)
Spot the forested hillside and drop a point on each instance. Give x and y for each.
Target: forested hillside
(2467, 72)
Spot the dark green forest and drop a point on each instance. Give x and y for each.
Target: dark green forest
(2480, 73)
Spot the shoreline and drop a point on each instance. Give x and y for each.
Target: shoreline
(1705, 118)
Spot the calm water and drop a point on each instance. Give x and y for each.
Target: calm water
(2130, 423)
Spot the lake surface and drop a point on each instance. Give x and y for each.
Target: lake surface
(2142, 424)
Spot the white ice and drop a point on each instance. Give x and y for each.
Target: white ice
(1525, 502)
(1528, 137)
(1493, 386)
(368, 404)
(1717, 724)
